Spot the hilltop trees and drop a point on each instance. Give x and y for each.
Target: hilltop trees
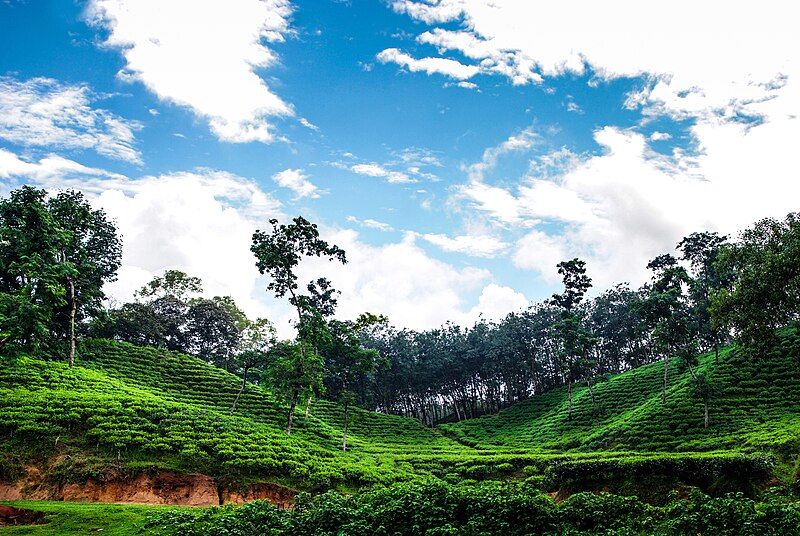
(55, 255)
(765, 291)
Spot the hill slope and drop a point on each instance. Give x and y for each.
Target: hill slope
(127, 410)
(755, 406)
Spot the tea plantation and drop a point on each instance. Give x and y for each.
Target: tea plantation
(125, 409)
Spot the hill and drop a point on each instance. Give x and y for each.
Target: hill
(125, 411)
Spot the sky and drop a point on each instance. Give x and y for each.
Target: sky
(456, 149)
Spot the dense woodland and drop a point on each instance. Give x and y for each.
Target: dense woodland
(56, 252)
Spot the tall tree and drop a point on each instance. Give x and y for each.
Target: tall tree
(255, 342)
(92, 252)
(576, 340)
(278, 254)
(667, 311)
(701, 250)
(346, 359)
(292, 370)
(30, 274)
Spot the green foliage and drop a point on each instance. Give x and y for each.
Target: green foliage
(490, 508)
(765, 294)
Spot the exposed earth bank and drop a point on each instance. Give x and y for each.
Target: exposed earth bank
(162, 487)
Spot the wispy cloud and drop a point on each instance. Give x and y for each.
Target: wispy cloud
(43, 112)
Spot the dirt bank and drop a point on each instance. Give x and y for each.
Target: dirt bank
(163, 487)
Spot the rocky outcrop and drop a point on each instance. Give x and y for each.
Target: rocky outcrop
(162, 487)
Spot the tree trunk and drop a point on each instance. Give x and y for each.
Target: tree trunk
(591, 394)
(664, 387)
(346, 422)
(705, 413)
(308, 404)
(72, 311)
(569, 400)
(290, 418)
(241, 390)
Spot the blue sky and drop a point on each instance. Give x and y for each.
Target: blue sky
(457, 149)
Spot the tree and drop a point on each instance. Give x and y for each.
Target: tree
(701, 250)
(30, 275)
(765, 292)
(293, 369)
(576, 340)
(255, 342)
(174, 284)
(278, 255)
(213, 327)
(346, 359)
(91, 253)
(667, 312)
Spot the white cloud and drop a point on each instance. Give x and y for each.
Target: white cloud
(369, 223)
(732, 73)
(445, 66)
(297, 181)
(401, 281)
(43, 112)
(202, 55)
(472, 245)
(660, 136)
(377, 170)
(749, 46)
(495, 302)
(47, 168)
(308, 124)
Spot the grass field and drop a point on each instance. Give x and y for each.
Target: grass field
(64, 518)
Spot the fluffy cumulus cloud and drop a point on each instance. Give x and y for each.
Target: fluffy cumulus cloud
(413, 289)
(731, 73)
(42, 112)
(297, 181)
(202, 55)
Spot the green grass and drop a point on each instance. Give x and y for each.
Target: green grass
(64, 518)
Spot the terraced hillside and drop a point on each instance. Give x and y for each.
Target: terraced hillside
(142, 407)
(754, 406)
(126, 410)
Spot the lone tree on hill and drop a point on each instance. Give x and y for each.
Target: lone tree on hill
(576, 340)
(278, 254)
(346, 360)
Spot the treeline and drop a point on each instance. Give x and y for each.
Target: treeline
(57, 252)
(709, 291)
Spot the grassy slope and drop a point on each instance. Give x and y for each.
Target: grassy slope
(755, 407)
(137, 407)
(126, 407)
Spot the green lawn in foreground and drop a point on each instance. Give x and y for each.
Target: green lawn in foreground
(85, 518)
